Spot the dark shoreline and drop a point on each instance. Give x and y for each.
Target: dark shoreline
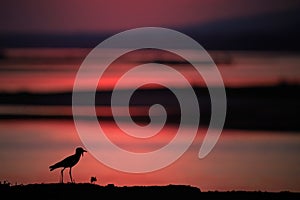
(87, 190)
(272, 108)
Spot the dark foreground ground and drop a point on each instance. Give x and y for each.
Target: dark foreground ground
(94, 191)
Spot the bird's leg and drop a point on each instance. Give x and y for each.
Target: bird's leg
(70, 173)
(62, 175)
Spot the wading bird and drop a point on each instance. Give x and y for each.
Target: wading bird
(68, 162)
(93, 179)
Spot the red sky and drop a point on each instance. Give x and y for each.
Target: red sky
(241, 160)
(115, 15)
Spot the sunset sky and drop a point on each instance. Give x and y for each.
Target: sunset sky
(266, 24)
(73, 16)
(36, 124)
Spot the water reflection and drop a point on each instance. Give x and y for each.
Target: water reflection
(250, 160)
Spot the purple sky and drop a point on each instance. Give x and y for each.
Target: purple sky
(67, 16)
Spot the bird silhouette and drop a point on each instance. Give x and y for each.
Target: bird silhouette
(93, 179)
(68, 162)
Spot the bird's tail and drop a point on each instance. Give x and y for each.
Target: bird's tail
(52, 167)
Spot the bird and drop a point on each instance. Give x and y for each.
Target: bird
(93, 179)
(68, 162)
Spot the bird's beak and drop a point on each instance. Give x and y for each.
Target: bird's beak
(83, 152)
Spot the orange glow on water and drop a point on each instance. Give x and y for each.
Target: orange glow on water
(241, 160)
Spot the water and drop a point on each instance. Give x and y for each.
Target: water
(33, 135)
(241, 160)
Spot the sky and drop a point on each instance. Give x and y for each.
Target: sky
(111, 16)
(245, 160)
(76, 16)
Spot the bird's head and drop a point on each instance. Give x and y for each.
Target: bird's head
(80, 151)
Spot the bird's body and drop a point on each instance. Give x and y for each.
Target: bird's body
(68, 162)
